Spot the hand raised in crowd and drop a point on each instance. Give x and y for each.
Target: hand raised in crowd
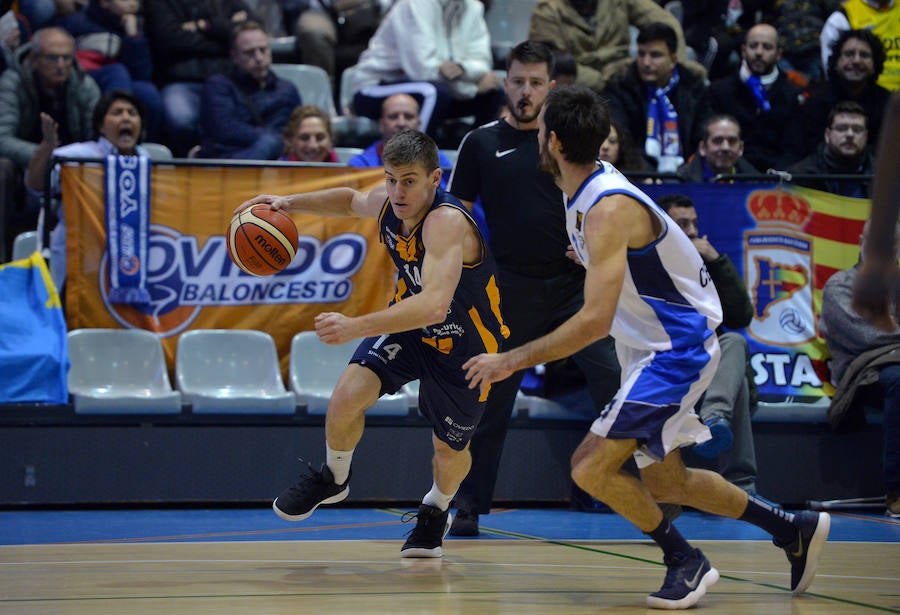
(130, 24)
(49, 130)
(706, 249)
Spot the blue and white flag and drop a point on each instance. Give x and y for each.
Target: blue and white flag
(34, 356)
(128, 227)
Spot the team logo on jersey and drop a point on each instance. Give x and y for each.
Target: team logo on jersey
(408, 248)
(778, 267)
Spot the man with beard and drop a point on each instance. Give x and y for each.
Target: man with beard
(881, 18)
(854, 66)
(764, 101)
(844, 151)
(540, 286)
(719, 153)
(647, 285)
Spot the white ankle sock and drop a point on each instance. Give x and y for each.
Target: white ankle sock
(339, 463)
(438, 499)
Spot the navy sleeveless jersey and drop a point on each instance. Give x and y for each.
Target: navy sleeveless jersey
(474, 323)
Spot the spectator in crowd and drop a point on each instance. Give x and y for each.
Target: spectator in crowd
(799, 23)
(865, 367)
(13, 32)
(853, 69)
(44, 78)
(111, 47)
(540, 286)
(715, 29)
(620, 151)
(720, 152)
(844, 151)
(444, 43)
(398, 112)
(596, 33)
(764, 101)
(726, 407)
(44, 13)
(308, 136)
(660, 102)
(331, 34)
(881, 18)
(190, 41)
(118, 122)
(245, 111)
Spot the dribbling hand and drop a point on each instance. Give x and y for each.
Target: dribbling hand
(274, 202)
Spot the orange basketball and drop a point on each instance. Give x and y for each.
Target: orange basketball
(262, 241)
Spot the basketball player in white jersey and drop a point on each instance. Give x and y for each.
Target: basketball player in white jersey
(647, 286)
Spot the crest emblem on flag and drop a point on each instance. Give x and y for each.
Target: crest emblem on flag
(779, 268)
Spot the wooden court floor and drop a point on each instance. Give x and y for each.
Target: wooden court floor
(475, 576)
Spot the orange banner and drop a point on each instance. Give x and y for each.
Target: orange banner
(340, 265)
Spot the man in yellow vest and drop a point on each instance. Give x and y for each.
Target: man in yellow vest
(882, 18)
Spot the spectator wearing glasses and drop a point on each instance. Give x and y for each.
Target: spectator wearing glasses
(43, 78)
(844, 151)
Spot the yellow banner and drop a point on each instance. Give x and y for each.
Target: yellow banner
(340, 265)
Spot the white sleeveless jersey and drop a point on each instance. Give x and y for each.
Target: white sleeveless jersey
(668, 299)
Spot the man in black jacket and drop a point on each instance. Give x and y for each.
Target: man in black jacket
(844, 151)
(660, 102)
(726, 406)
(763, 100)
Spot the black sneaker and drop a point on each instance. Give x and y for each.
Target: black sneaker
(426, 538)
(688, 577)
(298, 502)
(465, 523)
(803, 552)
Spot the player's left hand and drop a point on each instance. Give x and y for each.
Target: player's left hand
(486, 368)
(334, 328)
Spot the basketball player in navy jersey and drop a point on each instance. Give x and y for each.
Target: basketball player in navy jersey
(645, 284)
(446, 310)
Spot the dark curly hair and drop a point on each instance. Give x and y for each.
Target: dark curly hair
(878, 54)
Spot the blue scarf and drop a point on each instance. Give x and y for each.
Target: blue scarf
(127, 200)
(757, 85)
(759, 92)
(662, 142)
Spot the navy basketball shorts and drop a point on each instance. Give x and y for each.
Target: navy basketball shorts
(445, 398)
